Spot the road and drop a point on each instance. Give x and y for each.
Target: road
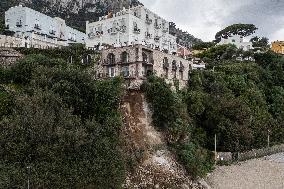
(264, 173)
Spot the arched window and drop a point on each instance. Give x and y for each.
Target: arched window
(174, 65)
(145, 57)
(111, 58)
(165, 63)
(124, 57)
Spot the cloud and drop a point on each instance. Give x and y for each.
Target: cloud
(204, 18)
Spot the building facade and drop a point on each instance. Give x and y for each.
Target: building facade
(38, 30)
(278, 47)
(135, 63)
(136, 25)
(9, 56)
(238, 41)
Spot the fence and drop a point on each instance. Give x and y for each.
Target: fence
(243, 156)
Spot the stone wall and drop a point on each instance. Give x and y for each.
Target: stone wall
(139, 61)
(9, 56)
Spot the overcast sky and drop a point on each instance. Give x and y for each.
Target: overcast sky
(204, 18)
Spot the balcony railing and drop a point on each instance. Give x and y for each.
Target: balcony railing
(166, 65)
(37, 27)
(149, 21)
(52, 32)
(157, 38)
(157, 26)
(122, 28)
(181, 67)
(19, 24)
(136, 30)
(113, 31)
(148, 35)
(165, 30)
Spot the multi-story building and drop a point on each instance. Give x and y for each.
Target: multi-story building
(136, 25)
(135, 63)
(39, 30)
(278, 47)
(238, 41)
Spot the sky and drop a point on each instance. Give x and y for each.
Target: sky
(204, 18)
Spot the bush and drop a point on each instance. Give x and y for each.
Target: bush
(197, 160)
(62, 124)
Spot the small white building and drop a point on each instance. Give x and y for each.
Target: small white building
(38, 30)
(238, 41)
(136, 25)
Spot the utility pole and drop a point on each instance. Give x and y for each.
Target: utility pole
(29, 172)
(215, 141)
(268, 139)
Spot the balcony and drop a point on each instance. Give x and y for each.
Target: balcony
(149, 21)
(165, 30)
(166, 65)
(181, 67)
(157, 38)
(122, 28)
(148, 35)
(136, 30)
(157, 26)
(112, 31)
(19, 24)
(52, 32)
(37, 27)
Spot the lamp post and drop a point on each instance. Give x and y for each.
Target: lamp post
(29, 173)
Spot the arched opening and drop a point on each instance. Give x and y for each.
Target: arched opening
(145, 57)
(174, 69)
(111, 58)
(124, 57)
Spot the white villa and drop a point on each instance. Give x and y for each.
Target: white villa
(133, 26)
(37, 30)
(237, 40)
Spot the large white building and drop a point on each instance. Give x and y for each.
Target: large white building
(39, 30)
(136, 25)
(237, 40)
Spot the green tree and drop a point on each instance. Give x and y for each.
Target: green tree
(235, 29)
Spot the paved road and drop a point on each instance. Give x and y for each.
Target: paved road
(264, 173)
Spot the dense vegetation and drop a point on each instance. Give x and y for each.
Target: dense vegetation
(171, 117)
(183, 37)
(240, 102)
(57, 120)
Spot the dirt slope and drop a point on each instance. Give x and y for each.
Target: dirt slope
(155, 166)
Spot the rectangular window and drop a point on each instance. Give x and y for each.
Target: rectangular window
(125, 71)
(112, 72)
(181, 75)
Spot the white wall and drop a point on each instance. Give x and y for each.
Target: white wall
(238, 41)
(130, 16)
(40, 28)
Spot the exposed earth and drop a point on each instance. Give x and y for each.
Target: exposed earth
(264, 173)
